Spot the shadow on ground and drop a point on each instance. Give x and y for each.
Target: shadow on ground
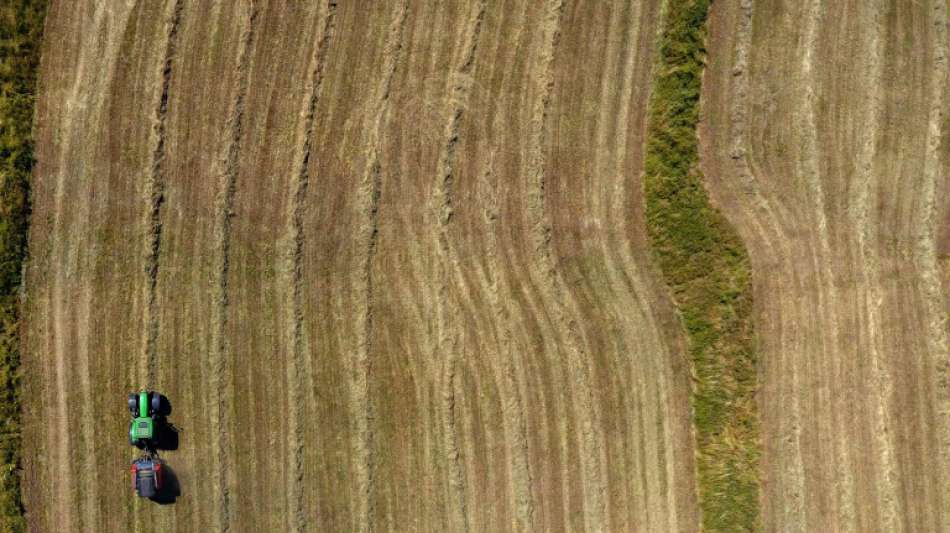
(166, 436)
(170, 490)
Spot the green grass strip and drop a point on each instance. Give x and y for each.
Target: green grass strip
(707, 269)
(21, 29)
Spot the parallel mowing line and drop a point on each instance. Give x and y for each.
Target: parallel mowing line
(925, 252)
(867, 245)
(513, 409)
(220, 367)
(592, 451)
(617, 258)
(514, 403)
(299, 184)
(795, 502)
(155, 188)
(743, 171)
(633, 278)
(613, 58)
(369, 192)
(460, 94)
(90, 493)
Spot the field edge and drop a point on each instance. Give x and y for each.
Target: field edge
(21, 30)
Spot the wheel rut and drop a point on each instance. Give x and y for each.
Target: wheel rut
(62, 446)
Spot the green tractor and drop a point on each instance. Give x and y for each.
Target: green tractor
(148, 415)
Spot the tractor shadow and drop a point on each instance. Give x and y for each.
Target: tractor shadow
(166, 432)
(170, 490)
(166, 436)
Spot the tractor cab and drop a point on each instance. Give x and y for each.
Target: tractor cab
(142, 428)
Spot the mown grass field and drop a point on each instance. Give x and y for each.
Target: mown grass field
(535, 265)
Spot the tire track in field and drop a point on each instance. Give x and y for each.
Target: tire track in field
(38, 374)
(89, 208)
(604, 208)
(369, 191)
(459, 96)
(795, 513)
(791, 418)
(90, 476)
(592, 452)
(530, 363)
(219, 384)
(925, 255)
(155, 196)
(890, 506)
(59, 442)
(299, 184)
(72, 303)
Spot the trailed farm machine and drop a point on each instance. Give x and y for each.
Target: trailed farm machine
(147, 475)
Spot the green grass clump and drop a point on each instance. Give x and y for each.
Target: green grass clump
(21, 28)
(707, 269)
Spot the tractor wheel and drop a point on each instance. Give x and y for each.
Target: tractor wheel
(134, 403)
(156, 401)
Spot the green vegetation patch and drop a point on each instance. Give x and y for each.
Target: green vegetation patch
(707, 269)
(21, 28)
